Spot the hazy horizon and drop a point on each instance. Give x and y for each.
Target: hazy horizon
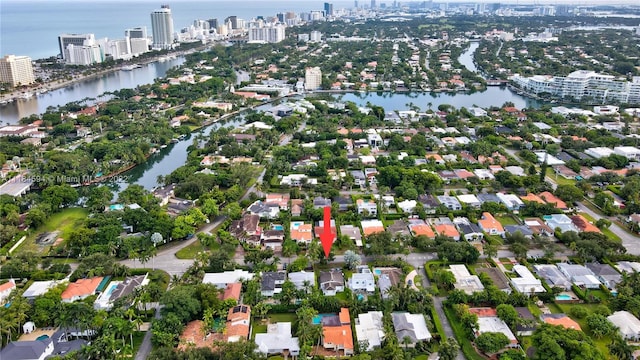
(510, 2)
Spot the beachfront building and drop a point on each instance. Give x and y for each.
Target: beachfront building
(162, 28)
(583, 84)
(16, 70)
(259, 32)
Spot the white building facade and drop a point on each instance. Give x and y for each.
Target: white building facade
(162, 28)
(16, 70)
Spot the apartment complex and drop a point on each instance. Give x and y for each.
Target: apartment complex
(583, 84)
(266, 33)
(312, 78)
(16, 70)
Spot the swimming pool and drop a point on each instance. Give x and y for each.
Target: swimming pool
(111, 289)
(277, 227)
(42, 337)
(563, 297)
(296, 224)
(317, 320)
(377, 272)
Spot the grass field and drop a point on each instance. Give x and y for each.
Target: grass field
(192, 250)
(64, 221)
(559, 179)
(506, 220)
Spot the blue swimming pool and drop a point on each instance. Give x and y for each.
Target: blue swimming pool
(563, 297)
(277, 227)
(377, 272)
(111, 289)
(317, 320)
(42, 337)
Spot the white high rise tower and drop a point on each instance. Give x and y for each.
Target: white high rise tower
(162, 28)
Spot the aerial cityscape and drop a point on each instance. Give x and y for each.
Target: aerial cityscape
(359, 179)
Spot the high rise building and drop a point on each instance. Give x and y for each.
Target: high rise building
(213, 23)
(65, 40)
(139, 32)
(373, 4)
(162, 27)
(355, 4)
(328, 9)
(312, 78)
(280, 17)
(268, 33)
(316, 36)
(233, 20)
(87, 54)
(16, 70)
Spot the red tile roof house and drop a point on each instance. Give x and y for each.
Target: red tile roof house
(81, 289)
(6, 289)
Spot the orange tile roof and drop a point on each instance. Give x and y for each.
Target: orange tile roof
(566, 322)
(583, 224)
(6, 286)
(344, 316)
(232, 291)
(532, 198)
(82, 287)
(552, 199)
(238, 322)
(489, 222)
(302, 233)
(372, 230)
(423, 229)
(339, 336)
(447, 230)
(483, 311)
(194, 336)
(435, 157)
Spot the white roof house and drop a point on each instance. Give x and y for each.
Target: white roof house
(579, 275)
(39, 288)
(221, 280)
(484, 174)
(511, 201)
(599, 152)
(464, 280)
(630, 152)
(628, 266)
(543, 157)
(412, 326)
(408, 206)
(561, 221)
(469, 200)
(369, 327)
(300, 278)
(277, 340)
(495, 325)
(627, 324)
(362, 280)
(526, 283)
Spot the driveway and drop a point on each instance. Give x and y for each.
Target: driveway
(629, 241)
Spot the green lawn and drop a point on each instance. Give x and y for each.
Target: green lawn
(65, 221)
(465, 345)
(601, 344)
(191, 251)
(506, 220)
(260, 326)
(559, 179)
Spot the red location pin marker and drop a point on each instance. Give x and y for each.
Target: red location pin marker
(326, 238)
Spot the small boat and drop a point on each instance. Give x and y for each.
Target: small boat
(25, 95)
(163, 146)
(182, 137)
(131, 67)
(174, 140)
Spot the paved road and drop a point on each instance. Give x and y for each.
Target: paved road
(166, 258)
(629, 241)
(145, 346)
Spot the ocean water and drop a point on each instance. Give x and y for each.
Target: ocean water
(31, 27)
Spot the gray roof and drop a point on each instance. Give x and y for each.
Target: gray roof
(24, 350)
(512, 229)
(469, 228)
(488, 198)
(331, 279)
(604, 270)
(428, 200)
(398, 227)
(384, 283)
(270, 278)
(127, 286)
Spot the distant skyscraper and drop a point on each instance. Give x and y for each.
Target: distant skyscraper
(233, 20)
(162, 27)
(373, 4)
(16, 70)
(328, 9)
(270, 33)
(64, 40)
(312, 78)
(316, 36)
(355, 4)
(213, 23)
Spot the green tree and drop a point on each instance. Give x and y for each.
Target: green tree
(508, 314)
(448, 349)
(491, 342)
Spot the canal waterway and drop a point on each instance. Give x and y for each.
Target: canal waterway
(173, 156)
(90, 88)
